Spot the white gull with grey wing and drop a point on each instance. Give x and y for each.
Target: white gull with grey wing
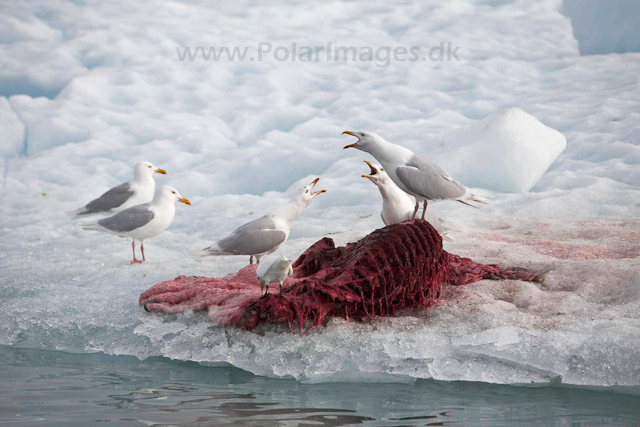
(263, 235)
(142, 221)
(415, 176)
(397, 207)
(140, 190)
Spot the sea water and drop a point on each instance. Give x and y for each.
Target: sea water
(41, 387)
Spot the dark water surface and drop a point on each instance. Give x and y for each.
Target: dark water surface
(52, 388)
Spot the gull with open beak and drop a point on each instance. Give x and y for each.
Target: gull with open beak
(264, 235)
(142, 221)
(131, 193)
(397, 207)
(415, 176)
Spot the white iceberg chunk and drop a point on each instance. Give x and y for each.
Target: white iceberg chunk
(605, 26)
(508, 151)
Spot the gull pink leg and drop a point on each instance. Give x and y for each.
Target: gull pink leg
(424, 211)
(133, 248)
(142, 249)
(415, 211)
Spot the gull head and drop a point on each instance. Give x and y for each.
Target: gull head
(377, 175)
(146, 169)
(367, 141)
(306, 193)
(169, 193)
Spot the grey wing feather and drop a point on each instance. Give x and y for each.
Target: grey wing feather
(128, 220)
(429, 181)
(256, 237)
(111, 199)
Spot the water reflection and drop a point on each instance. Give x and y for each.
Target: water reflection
(241, 409)
(52, 388)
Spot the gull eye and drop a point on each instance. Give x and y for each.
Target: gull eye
(362, 134)
(381, 170)
(149, 167)
(306, 191)
(173, 192)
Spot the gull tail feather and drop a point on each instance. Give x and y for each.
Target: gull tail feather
(445, 236)
(94, 226)
(471, 199)
(212, 250)
(479, 199)
(444, 232)
(81, 213)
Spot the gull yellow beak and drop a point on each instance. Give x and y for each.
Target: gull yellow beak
(348, 132)
(185, 201)
(162, 171)
(313, 184)
(373, 170)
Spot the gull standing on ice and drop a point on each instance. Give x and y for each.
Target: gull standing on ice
(142, 221)
(264, 235)
(397, 207)
(131, 193)
(273, 268)
(415, 176)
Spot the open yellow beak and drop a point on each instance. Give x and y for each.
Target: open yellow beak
(162, 171)
(313, 184)
(348, 132)
(185, 201)
(373, 170)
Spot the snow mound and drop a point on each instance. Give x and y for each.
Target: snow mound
(508, 151)
(12, 136)
(605, 26)
(13, 131)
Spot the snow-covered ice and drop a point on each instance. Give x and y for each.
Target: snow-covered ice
(89, 88)
(13, 131)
